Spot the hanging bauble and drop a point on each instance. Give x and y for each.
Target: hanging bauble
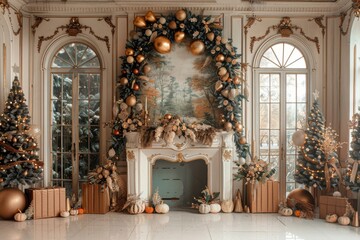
(300, 196)
(220, 58)
(140, 58)
(131, 100)
(242, 161)
(179, 36)
(150, 17)
(210, 36)
(116, 132)
(162, 45)
(225, 93)
(136, 87)
(167, 116)
(14, 139)
(124, 81)
(172, 25)
(140, 22)
(229, 59)
(162, 20)
(129, 52)
(197, 47)
(148, 32)
(298, 138)
(242, 140)
(146, 69)
(135, 71)
(11, 201)
(238, 127)
(180, 15)
(130, 59)
(222, 71)
(218, 86)
(228, 126)
(111, 152)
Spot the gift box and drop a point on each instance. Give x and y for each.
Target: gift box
(47, 202)
(263, 197)
(95, 199)
(331, 205)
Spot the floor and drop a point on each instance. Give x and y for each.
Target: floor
(176, 225)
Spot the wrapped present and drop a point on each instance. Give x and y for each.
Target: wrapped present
(47, 202)
(263, 197)
(95, 199)
(331, 205)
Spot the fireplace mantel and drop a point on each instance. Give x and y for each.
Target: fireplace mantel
(218, 158)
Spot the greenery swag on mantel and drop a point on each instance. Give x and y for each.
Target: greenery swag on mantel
(154, 36)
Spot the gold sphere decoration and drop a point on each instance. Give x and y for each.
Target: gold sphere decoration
(228, 126)
(242, 140)
(236, 80)
(146, 69)
(130, 59)
(140, 22)
(180, 15)
(172, 25)
(238, 127)
(210, 36)
(167, 116)
(197, 47)
(162, 45)
(220, 58)
(11, 200)
(301, 196)
(124, 81)
(150, 17)
(179, 36)
(140, 58)
(131, 100)
(129, 52)
(222, 71)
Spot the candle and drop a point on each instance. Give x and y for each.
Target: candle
(68, 204)
(146, 104)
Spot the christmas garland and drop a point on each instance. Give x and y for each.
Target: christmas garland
(155, 36)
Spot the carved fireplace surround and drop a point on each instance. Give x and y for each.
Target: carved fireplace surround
(218, 158)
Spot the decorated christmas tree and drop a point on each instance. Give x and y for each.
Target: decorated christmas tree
(19, 163)
(317, 163)
(352, 177)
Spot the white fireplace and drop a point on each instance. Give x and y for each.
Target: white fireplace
(218, 158)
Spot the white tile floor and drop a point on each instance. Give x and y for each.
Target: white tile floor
(176, 225)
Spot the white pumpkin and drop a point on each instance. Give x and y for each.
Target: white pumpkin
(285, 211)
(331, 218)
(73, 212)
(162, 208)
(344, 220)
(65, 214)
(204, 208)
(137, 207)
(227, 206)
(337, 194)
(215, 208)
(20, 217)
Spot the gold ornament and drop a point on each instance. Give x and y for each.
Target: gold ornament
(218, 86)
(238, 127)
(210, 36)
(25, 173)
(236, 80)
(140, 22)
(180, 15)
(167, 116)
(220, 58)
(197, 47)
(124, 81)
(148, 32)
(140, 58)
(225, 93)
(179, 36)
(131, 100)
(225, 77)
(242, 140)
(222, 71)
(228, 126)
(130, 59)
(300, 196)
(146, 69)
(150, 17)
(11, 200)
(162, 45)
(229, 59)
(172, 25)
(129, 52)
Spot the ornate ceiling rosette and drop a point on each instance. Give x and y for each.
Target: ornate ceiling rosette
(156, 35)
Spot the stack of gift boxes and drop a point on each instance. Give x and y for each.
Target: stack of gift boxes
(331, 205)
(263, 197)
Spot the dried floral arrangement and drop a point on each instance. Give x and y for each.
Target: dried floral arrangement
(207, 197)
(105, 175)
(172, 126)
(255, 171)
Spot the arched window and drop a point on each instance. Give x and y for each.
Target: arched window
(75, 115)
(281, 99)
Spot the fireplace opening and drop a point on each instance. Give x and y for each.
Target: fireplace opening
(179, 183)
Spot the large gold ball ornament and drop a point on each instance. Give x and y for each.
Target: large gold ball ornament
(136, 87)
(180, 15)
(11, 200)
(210, 36)
(238, 127)
(130, 59)
(131, 100)
(140, 22)
(220, 58)
(222, 71)
(172, 25)
(124, 81)
(129, 52)
(146, 69)
(197, 47)
(140, 58)
(150, 17)
(162, 45)
(179, 36)
(242, 140)
(300, 196)
(228, 126)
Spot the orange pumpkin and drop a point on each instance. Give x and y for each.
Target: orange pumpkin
(297, 213)
(80, 211)
(149, 209)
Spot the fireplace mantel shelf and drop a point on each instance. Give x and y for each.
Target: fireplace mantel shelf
(218, 157)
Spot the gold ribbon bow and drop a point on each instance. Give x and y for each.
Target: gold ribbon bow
(354, 170)
(332, 163)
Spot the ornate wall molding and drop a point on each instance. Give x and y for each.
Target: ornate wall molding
(38, 21)
(250, 21)
(318, 21)
(5, 6)
(285, 28)
(72, 29)
(109, 22)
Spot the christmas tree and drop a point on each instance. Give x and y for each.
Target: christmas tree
(352, 177)
(19, 163)
(317, 164)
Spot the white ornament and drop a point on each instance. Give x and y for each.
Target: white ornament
(148, 32)
(337, 194)
(111, 152)
(311, 177)
(162, 20)
(298, 138)
(242, 161)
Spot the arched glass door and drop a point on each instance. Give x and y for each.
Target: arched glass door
(75, 115)
(282, 103)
